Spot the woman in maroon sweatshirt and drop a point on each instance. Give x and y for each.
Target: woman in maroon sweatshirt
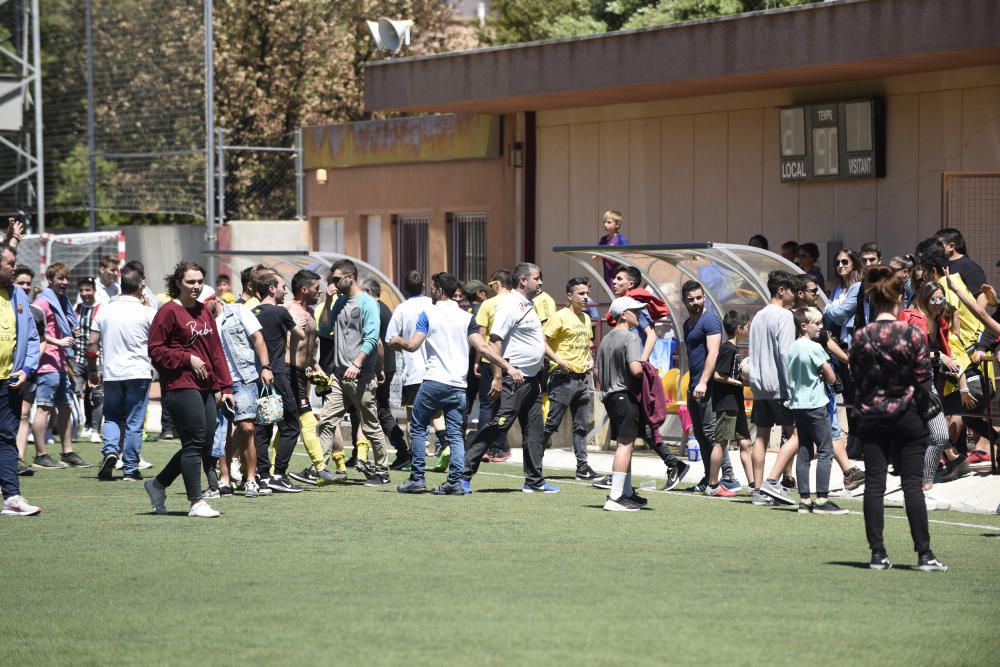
(186, 350)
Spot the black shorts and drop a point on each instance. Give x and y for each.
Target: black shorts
(623, 414)
(409, 394)
(768, 412)
(300, 389)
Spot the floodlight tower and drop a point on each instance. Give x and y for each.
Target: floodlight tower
(20, 97)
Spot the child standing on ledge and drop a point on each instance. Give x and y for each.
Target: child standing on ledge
(612, 221)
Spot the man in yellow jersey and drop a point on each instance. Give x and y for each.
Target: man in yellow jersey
(488, 405)
(18, 359)
(567, 346)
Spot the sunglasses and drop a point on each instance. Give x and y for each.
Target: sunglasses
(814, 290)
(936, 300)
(335, 279)
(843, 262)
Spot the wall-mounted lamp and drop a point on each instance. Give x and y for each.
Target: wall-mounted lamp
(321, 176)
(515, 154)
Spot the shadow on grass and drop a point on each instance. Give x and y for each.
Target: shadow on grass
(497, 490)
(864, 566)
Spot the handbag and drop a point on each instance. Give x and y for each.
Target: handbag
(270, 407)
(928, 403)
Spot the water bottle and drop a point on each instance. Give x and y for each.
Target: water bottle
(693, 450)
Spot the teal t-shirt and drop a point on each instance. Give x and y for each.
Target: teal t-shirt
(805, 381)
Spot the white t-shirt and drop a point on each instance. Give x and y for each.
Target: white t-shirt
(516, 323)
(124, 325)
(403, 324)
(251, 325)
(447, 328)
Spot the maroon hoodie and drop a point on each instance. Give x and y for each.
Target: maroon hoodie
(177, 333)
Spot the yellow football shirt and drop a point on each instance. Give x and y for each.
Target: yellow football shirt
(8, 334)
(545, 306)
(569, 335)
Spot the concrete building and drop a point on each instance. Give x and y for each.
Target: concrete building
(677, 127)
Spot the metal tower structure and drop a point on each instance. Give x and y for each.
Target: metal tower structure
(20, 102)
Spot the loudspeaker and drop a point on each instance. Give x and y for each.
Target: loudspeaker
(393, 34)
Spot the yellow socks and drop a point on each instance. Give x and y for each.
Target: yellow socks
(338, 461)
(307, 422)
(362, 449)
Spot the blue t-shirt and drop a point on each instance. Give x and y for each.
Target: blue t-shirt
(696, 338)
(644, 321)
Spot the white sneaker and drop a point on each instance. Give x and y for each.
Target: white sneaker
(235, 471)
(86, 433)
(935, 502)
(95, 437)
(121, 463)
(157, 496)
(143, 464)
(250, 489)
(18, 506)
(201, 510)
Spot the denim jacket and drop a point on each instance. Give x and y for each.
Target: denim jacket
(239, 351)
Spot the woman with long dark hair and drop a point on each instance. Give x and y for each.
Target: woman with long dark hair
(186, 350)
(930, 313)
(891, 363)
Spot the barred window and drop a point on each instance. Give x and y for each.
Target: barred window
(467, 245)
(411, 232)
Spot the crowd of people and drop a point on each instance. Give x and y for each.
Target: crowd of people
(908, 344)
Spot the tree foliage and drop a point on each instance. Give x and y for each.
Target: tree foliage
(512, 21)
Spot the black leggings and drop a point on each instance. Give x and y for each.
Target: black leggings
(902, 441)
(193, 414)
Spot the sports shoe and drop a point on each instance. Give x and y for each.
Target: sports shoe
(777, 493)
(500, 457)
(144, 464)
(132, 477)
(637, 499)
(73, 459)
(719, 491)
(18, 506)
(250, 489)
(602, 482)
(466, 486)
(366, 469)
(326, 478)
(700, 486)
(46, 461)
(412, 486)
(934, 501)
(401, 461)
(281, 484)
(586, 473)
(23, 470)
(107, 467)
(854, 478)
(805, 508)
(168, 434)
(732, 485)
(955, 469)
(880, 561)
(675, 474)
(449, 489)
(378, 479)
(759, 498)
(95, 438)
(928, 563)
(788, 482)
(85, 433)
(622, 504)
(157, 496)
(225, 489)
(121, 463)
(976, 456)
(201, 510)
(307, 476)
(351, 462)
(828, 507)
(544, 488)
(210, 494)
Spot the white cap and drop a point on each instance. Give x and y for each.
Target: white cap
(623, 303)
(206, 293)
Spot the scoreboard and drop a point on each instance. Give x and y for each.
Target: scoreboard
(832, 140)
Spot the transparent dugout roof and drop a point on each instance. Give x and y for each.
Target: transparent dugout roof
(734, 276)
(288, 262)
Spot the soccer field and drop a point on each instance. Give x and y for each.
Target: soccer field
(355, 575)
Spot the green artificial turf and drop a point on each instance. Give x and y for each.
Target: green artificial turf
(355, 575)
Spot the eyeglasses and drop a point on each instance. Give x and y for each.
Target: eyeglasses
(335, 279)
(843, 262)
(814, 290)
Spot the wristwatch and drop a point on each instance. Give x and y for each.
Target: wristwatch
(265, 367)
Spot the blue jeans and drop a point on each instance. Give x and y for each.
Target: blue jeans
(434, 396)
(831, 410)
(10, 420)
(124, 403)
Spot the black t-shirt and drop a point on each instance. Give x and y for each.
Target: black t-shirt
(972, 274)
(389, 360)
(727, 397)
(275, 323)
